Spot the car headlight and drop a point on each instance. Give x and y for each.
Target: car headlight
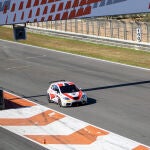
(66, 98)
(83, 96)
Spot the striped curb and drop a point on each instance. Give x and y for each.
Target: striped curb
(54, 130)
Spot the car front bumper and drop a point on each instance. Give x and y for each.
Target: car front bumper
(74, 102)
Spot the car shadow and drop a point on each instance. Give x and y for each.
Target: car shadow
(90, 101)
(11, 104)
(116, 86)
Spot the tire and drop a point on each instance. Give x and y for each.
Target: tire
(48, 98)
(59, 103)
(84, 103)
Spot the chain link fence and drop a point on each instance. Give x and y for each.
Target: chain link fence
(126, 30)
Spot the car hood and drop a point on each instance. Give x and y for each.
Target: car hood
(74, 95)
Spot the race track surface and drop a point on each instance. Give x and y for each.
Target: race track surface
(119, 96)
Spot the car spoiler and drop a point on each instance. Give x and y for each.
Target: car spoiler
(57, 81)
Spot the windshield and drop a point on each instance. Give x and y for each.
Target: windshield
(69, 89)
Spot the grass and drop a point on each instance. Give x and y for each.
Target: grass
(111, 53)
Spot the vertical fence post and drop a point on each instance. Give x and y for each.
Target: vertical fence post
(46, 25)
(50, 24)
(76, 26)
(71, 25)
(82, 25)
(98, 27)
(147, 32)
(92, 21)
(65, 25)
(55, 25)
(37, 24)
(87, 26)
(118, 29)
(131, 24)
(61, 25)
(105, 28)
(118, 25)
(125, 31)
(111, 28)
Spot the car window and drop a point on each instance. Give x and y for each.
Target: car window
(69, 89)
(52, 87)
(55, 88)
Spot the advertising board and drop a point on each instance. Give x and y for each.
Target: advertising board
(24, 11)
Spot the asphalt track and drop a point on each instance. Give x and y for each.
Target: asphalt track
(119, 96)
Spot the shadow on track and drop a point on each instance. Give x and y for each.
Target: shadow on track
(10, 103)
(90, 101)
(116, 86)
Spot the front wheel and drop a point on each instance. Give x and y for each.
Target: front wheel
(59, 103)
(48, 98)
(84, 102)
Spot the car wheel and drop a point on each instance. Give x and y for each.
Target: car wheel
(84, 103)
(48, 98)
(59, 103)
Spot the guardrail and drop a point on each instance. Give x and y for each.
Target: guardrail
(92, 38)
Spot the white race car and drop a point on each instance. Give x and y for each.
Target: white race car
(65, 93)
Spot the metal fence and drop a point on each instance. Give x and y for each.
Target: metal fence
(126, 30)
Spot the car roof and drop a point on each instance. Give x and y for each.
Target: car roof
(62, 83)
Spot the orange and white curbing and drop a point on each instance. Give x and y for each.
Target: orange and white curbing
(54, 130)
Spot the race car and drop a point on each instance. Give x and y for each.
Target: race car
(65, 93)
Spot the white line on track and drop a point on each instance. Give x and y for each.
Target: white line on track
(27, 58)
(18, 68)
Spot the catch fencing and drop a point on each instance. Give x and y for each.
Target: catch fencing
(124, 30)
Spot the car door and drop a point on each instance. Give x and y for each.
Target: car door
(54, 93)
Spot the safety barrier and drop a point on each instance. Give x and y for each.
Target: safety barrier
(92, 38)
